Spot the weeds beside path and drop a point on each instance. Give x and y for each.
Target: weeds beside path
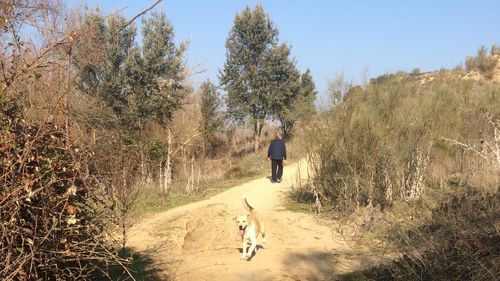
(249, 168)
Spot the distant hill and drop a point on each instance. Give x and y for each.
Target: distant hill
(472, 72)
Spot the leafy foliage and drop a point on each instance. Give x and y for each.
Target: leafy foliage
(259, 76)
(284, 85)
(160, 90)
(243, 77)
(210, 116)
(299, 104)
(106, 77)
(137, 83)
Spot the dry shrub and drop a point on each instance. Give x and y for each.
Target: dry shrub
(462, 242)
(365, 151)
(302, 194)
(483, 168)
(382, 142)
(52, 206)
(483, 62)
(57, 210)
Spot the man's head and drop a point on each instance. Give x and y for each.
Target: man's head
(279, 135)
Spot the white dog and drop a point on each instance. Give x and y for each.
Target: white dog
(249, 227)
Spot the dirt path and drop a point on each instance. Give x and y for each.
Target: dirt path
(199, 241)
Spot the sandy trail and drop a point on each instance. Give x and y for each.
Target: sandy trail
(199, 241)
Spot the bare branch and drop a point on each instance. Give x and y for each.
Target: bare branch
(138, 15)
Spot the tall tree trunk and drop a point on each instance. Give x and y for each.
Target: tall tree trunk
(143, 168)
(286, 127)
(66, 98)
(168, 166)
(166, 176)
(124, 203)
(256, 142)
(257, 129)
(160, 173)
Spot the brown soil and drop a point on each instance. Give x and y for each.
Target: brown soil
(200, 241)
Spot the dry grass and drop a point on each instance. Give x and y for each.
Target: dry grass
(232, 171)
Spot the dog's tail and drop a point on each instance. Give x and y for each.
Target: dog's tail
(245, 204)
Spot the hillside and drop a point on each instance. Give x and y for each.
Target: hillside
(419, 152)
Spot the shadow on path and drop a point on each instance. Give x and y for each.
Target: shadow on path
(142, 267)
(327, 265)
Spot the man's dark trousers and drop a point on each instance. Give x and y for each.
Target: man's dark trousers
(277, 170)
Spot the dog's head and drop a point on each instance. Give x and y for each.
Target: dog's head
(242, 222)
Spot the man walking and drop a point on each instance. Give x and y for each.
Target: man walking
(276, 154)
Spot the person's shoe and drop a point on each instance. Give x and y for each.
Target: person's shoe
(279, 180)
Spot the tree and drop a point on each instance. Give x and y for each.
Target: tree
(104, 76)
(299, 104)
(161, 90)
(284, 83)
(144, 83)
(244, 76)
(210, 117)
(304, 106)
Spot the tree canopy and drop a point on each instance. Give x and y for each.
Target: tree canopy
(210, 116)
(136, 82)
(259, 76)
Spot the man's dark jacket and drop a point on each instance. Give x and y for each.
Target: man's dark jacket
(277, 150)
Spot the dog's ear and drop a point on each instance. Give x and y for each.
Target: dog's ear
(234, 219)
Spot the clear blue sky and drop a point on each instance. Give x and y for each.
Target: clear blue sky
(356, 38)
